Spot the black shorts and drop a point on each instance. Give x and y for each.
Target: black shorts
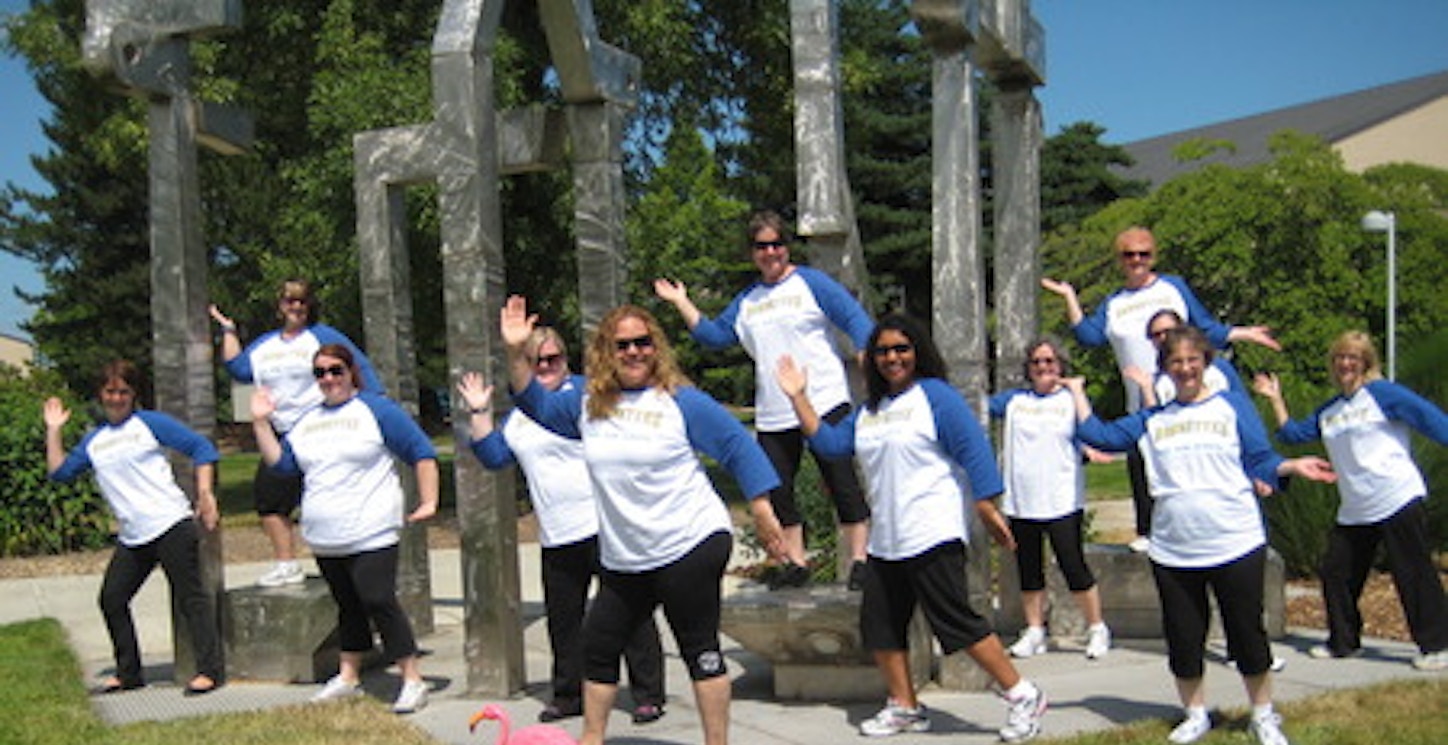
(934, 581)
(275, 493)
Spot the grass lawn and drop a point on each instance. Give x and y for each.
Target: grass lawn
(46, 704)
(1107, 481)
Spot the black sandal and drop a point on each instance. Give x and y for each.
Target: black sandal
(116, 685)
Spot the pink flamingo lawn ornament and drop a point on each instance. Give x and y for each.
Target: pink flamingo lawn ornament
(537, 734)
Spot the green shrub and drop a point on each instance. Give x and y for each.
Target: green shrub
(39, 516)
(1421, 369)
(1300, 518)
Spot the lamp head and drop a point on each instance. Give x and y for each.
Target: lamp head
(1378, 221)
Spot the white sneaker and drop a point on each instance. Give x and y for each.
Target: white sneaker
(1432, 661)
(895, 719)
(337, 688)
(412, 697)
(1277, 665)
(1098, 641)
(1031, 643)
(1268, 730)
(1191, 729)
(1140, 544)
(1023, 717)
(284, 573)
(1324, 652)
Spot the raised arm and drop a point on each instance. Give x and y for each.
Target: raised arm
(1077, 386)
(1256, 334)
(793, 380)
(1143, 382)
(516, 325)
(1266, 385)
(230, 341)
(56, 416)
(1066, 291)
(676, 294)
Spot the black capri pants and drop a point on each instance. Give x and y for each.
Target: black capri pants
(365, 588)
(1065, 535)
(786, 447)
(1185, 613)
(935, 581)
(688, 589)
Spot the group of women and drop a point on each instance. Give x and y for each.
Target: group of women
(613, 467)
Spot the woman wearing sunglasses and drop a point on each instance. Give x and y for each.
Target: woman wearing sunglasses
(926, 462)
(664, 535)
(352, 510)
(1118, 321)
(281, 360)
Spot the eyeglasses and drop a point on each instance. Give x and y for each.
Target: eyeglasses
(881, 351)
(549, 360)
(642, 342)
(1158, 334)
(1128, 255)
(335, 371)
(766, 245)
(1041, 361)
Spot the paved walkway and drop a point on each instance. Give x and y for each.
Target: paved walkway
(1130, 684)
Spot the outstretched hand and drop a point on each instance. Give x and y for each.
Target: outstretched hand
(515, 323)
(1074, 383)
(262, 405)
(1257, 335)
(221, 319)
(1312, 468)
(670, 291)
(55, 413)
(1064, 289)
(792, 378)
(1266, 384)
(474, 391)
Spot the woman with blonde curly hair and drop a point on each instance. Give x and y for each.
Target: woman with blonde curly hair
(1366, 429)
(664, 533)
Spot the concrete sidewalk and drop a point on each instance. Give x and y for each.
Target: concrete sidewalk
(1130, 684)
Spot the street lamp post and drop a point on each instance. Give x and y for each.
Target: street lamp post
(1378, 221)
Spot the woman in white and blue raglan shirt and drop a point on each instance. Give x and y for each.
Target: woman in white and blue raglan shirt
(281, 361)
(1046, 495)
(1202, 452)
(352, 510)
(1119, 319)
(1367, 429)
(1221, 375)
(792, 310)
(925, 458)
(158, 524)
(567, 512)
(664, 533)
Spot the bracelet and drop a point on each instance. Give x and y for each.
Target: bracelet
(479, 409)
(228, 328)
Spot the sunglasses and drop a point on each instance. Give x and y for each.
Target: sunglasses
(1039, 361)
(766, 245)
(896, 348)
(335, 371)
(1135, 254)
(1158, 334)
(294, 301)
(549, 360)
(642, 342)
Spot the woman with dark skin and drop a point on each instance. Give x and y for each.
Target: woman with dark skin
(158, 523)
(925, 462)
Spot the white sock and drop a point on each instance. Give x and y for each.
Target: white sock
(1261, 711)
(1022, 690)
(1197, 712)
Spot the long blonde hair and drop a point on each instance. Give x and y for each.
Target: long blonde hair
(601, 361)
(1360, 344)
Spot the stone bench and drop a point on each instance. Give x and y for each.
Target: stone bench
(281, 633)
(811, 637)
(1129, 602)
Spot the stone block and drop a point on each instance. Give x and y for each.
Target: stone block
(811, 637)
(281, 633)
(1129, 601)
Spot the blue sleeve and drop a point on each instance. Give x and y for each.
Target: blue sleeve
(287, 464)
(715, 433)
(962, 437)
(557, 411)
(718, 332)
(1229, 371)
(1091, 331)
(836, 440)
(1116, 436)
(177, 436)
(1401, 404)
(239, 367)
(1198, 315)
(493, 451)
(76, 462)
(400, 433)
(328, 335)
(1302, 431)
(1259, 460)
(1000, 401)
(843, 310)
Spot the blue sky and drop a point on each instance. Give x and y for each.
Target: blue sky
(1137, 67)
